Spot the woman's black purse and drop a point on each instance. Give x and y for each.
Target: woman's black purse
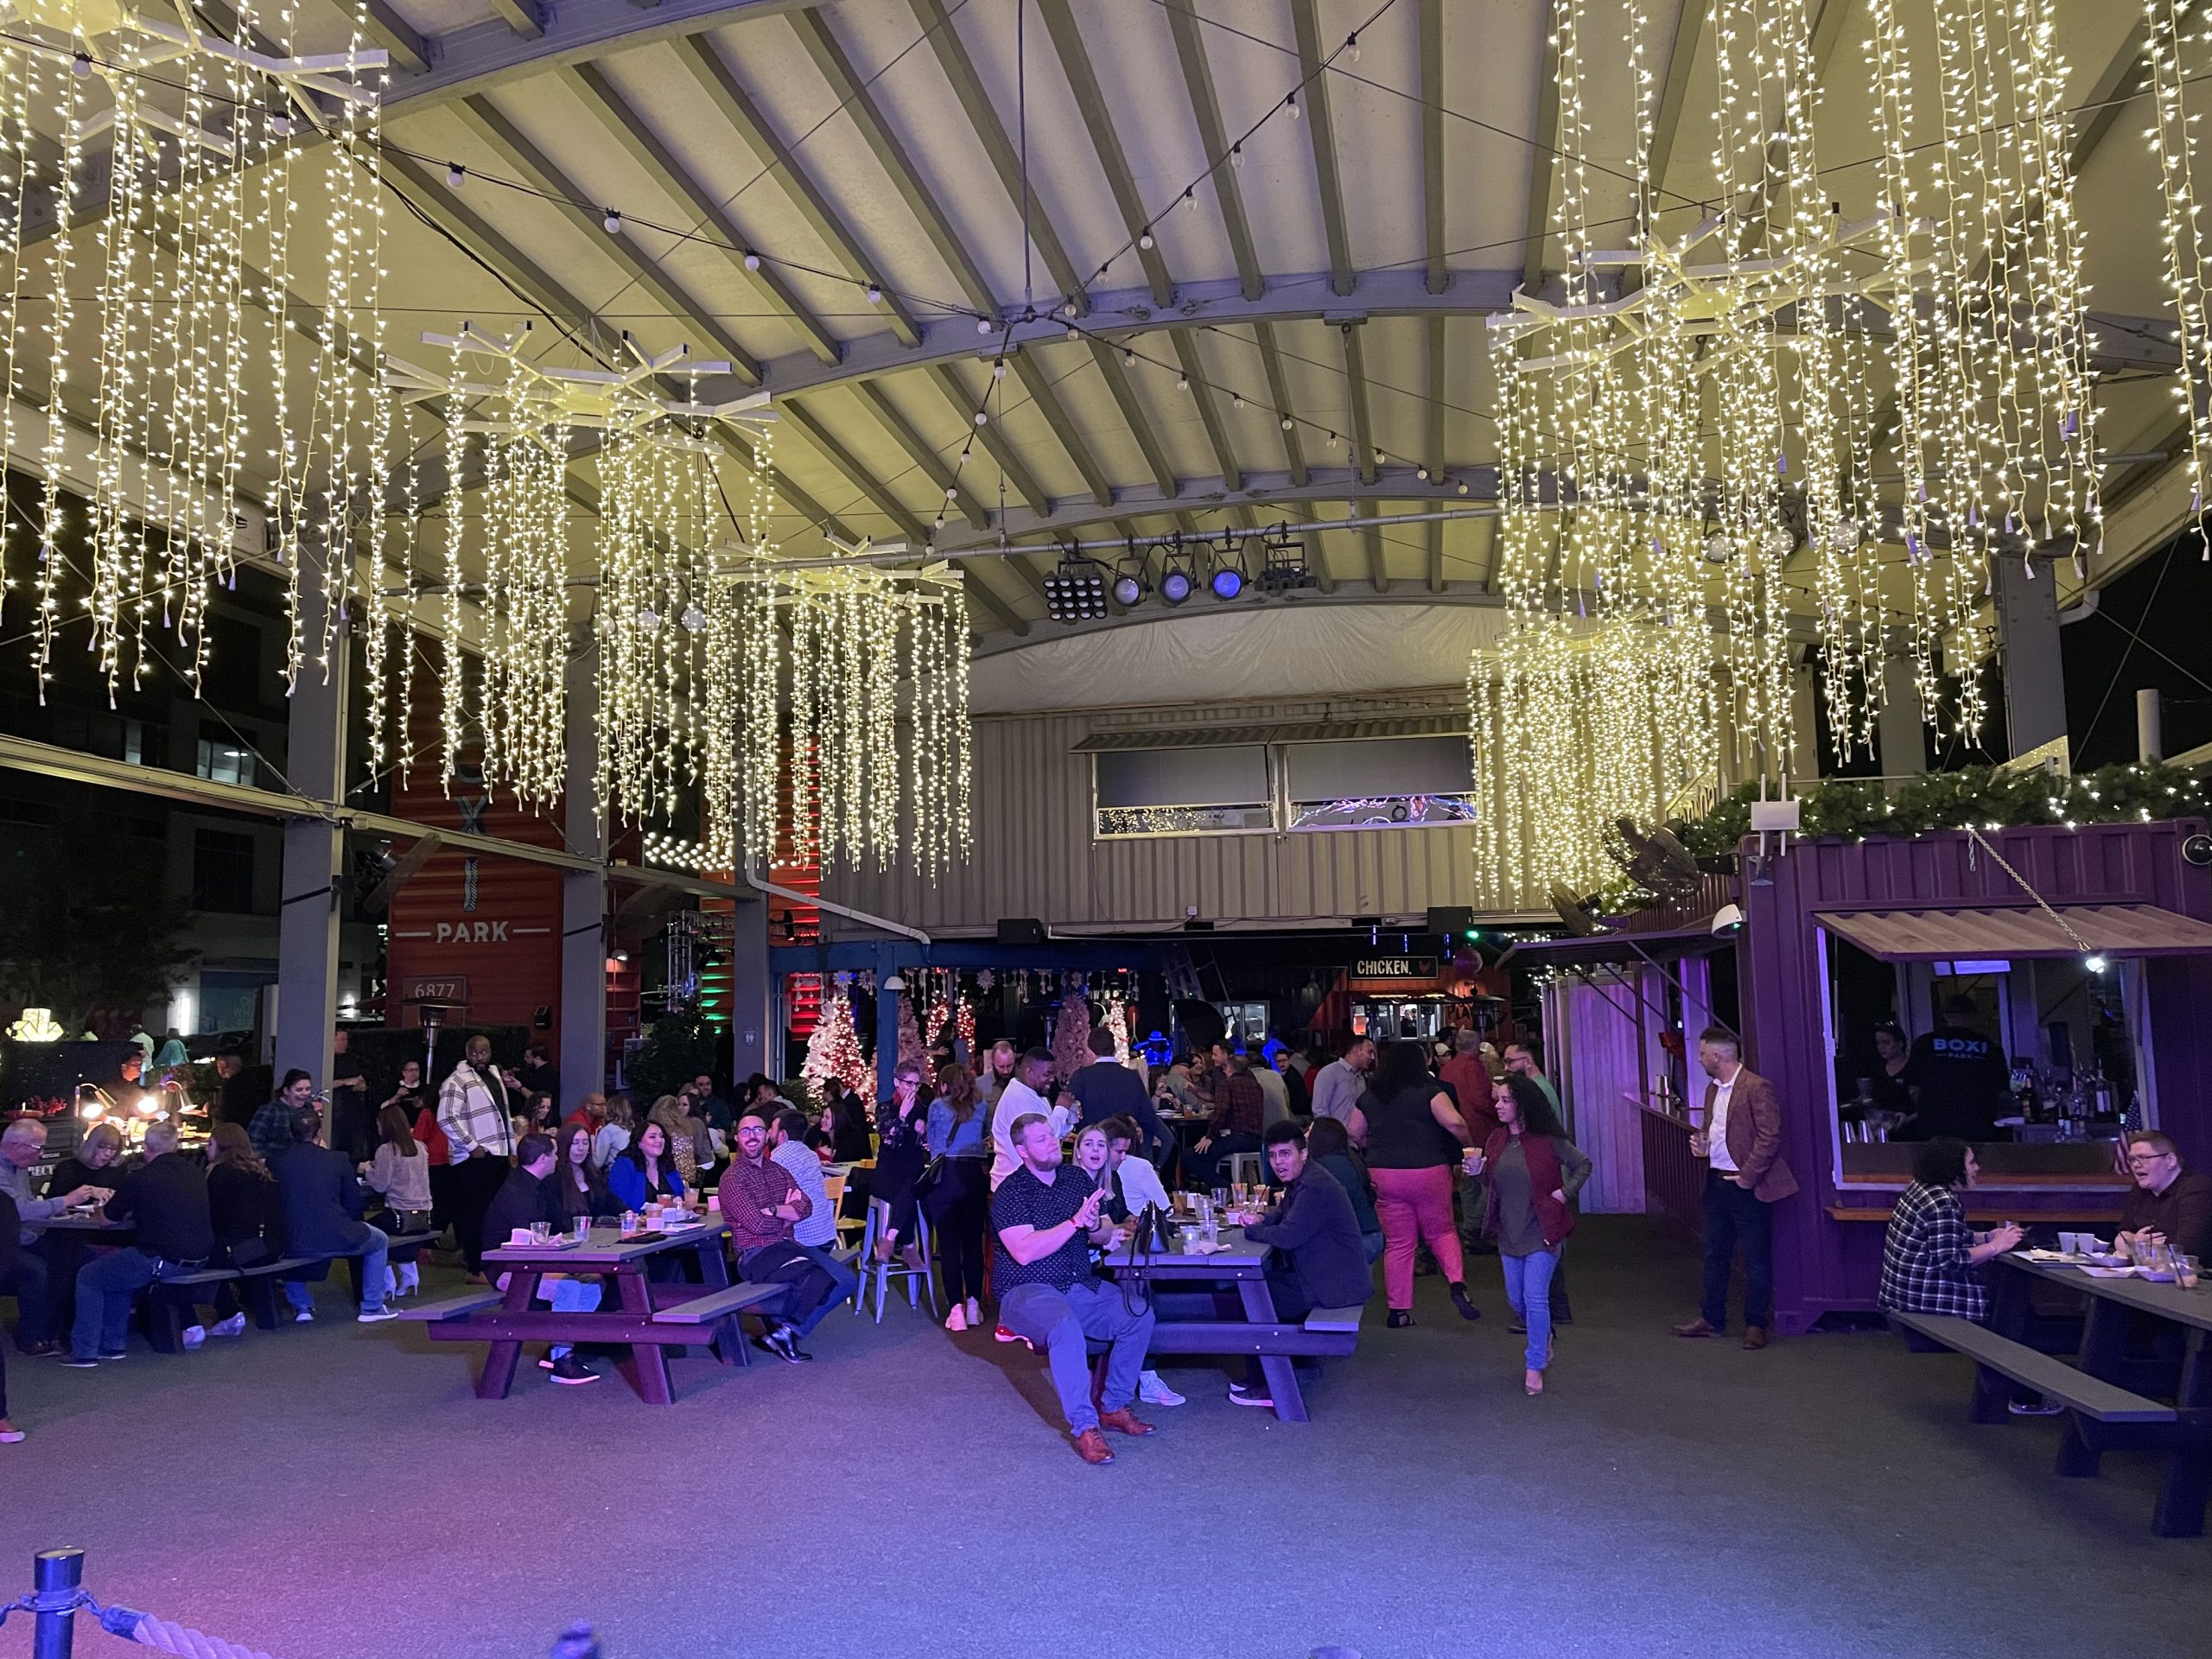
(932, 1172)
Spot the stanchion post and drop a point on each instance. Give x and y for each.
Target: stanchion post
(56, 1577)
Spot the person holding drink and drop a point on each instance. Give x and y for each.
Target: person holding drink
(1530, 1172)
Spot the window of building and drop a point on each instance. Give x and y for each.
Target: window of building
(1398, 783)
(224, 758)
(1182, 792)
(222, 870)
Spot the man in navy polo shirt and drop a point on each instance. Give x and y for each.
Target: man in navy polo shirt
(1046, 1217)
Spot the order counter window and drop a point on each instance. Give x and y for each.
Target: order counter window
(2034, 1063)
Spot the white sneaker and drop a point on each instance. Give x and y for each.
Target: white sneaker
(974, 1313)
(305, 1316)
(233, 1327)
(375, 1315)
(957, 1320)
(1154, 1392)
(194, 1335)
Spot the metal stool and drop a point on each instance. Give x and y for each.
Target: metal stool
(879, 1218)
(1249, 1167)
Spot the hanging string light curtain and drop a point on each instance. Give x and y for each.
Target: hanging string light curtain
(150, 366)
(2171, 40)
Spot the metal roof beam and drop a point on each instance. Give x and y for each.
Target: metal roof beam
(1213, 302)
(1362, 425)
(410, 52)
(1432, 138)
(848, 87)
(1273, 496)
(1433, 444)
(1133, 412)
(833, 450)
(1198, 77)
(507, 141)
(1323, 133)
(629, 129)
(1279, 392)
(776, 161)
(928, 460)
(1046, 396)
(1099, 122)
(1202, 393)
(968, 87)
(1009, 463)
(522, 17)
(1370, 538)
(1543, 148)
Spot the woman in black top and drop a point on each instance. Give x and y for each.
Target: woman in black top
(247, 1214)
(95, 1163)
(902, 1123)
(583, 1189)
(1413, 1137)
(848, 1137)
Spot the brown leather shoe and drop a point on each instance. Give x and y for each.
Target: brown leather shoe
(1123, 1422)
(1697, 1328)
(1091, 1446)
(1754, 1336)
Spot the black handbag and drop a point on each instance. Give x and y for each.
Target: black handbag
(932, 1172)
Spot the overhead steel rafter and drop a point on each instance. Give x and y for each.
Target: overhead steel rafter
(1543, 151)
(1202, 394)
(1045, 396)
(928, 460)
(522, 17)
(990, 132)
(1432, 443)
(411, 51)
(1273, 496)
(1106, 143)
(436, 203)
(1134, 415)
(514, 149)
(630, 129)
(1322, 130)
(778, 163)
(1229, 195)
(1279, 392)
(1432, 141)
(965, 404)
(849, 465)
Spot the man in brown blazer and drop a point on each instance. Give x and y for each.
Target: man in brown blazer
(1744, 1177)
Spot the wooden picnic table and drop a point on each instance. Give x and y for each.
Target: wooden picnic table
(648, 1318)
(2103, 1355)
(1197, 1315)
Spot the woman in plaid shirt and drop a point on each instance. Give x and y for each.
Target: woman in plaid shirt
(1931, 1258)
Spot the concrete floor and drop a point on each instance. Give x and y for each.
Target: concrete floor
(338, 1491)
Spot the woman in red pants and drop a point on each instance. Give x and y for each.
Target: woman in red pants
(1414, 1136)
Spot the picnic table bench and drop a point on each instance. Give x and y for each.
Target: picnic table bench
(2102, 1414)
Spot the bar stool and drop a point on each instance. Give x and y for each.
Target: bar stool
(879, 1219)
(1249, 1167)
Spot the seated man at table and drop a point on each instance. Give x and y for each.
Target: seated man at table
(528, 1195)
(323, 1206)
(817, 1232)
(761, 1204)
(21, 1146)
(2170, 1204)
(167, 1197)
(1314, 1256)
(1105, 1089)
(1046, 1217)
(1239, 1115)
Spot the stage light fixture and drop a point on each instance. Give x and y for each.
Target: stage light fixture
(1129, 581)
(1284, 567)
(1228, 580)
(1076, 591)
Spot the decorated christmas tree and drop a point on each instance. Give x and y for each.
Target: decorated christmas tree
(911, 1048)
(964, 1024)
(1117, 1022)
(1072, 1035)
(834, 1051)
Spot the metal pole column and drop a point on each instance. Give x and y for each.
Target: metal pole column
(1898, 729)
(2027, 644)
(307, 929)
(56, 1577)
(583, 895)
(752, 1017)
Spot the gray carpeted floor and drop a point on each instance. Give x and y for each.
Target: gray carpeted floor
(338, 1491)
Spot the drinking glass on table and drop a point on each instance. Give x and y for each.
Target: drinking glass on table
(541, 1232)
(583, 1228)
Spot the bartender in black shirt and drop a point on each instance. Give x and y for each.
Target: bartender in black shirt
(1960, 1079)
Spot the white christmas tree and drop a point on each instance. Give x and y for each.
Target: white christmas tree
(1117, 1022)
(911, 1049)
(963, 1022)
(834, 1049)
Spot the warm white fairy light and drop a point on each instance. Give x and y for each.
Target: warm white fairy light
(2166, 24)
(184, 329)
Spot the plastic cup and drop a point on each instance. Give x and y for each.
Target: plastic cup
(583, 1227)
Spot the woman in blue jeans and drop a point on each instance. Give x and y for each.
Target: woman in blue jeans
(1531, 1173)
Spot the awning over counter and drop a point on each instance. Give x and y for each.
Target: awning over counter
(2019, 931)
(1316, 731)
(1594, 950)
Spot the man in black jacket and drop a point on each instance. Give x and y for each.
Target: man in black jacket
(1316, 1259)
(1104, 1089)
(323, 1207)
(167, 1195)
(528, 1195)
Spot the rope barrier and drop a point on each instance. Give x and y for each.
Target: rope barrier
(60, 1598)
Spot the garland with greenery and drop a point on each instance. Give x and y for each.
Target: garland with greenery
(1854, 808)
(1987, 798)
